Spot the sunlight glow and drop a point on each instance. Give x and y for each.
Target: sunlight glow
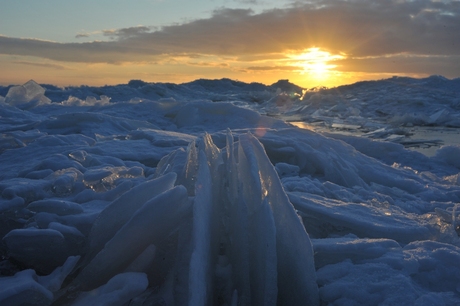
(315, 62)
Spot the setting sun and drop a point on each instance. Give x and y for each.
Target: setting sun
(316, 62)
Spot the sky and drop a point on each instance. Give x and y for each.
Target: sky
(311, 43)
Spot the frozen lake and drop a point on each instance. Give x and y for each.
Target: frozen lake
(428, 139)
(203, 193)
(424, 139)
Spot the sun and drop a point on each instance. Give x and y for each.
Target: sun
(315, 62)
(319, 68)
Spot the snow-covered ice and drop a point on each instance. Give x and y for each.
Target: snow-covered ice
(209, 193)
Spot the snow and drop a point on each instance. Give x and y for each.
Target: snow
(208, 193)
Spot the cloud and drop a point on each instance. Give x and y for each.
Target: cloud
(82, 35)
(87, 34)
(41, 65)
(357, 28)
(274, 68)
(208, 64)
(247, 1)
(404, 63)
(108, 52)
(126, 32)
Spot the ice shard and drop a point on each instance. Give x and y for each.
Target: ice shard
(296, 269)
(114, 216)
(153, 221)
(239, 198)
(200, 262)
(27, 95)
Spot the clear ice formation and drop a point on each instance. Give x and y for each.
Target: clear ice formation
(26, 96)
(243, 222)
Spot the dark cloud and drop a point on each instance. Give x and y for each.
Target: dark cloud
(126, 32)
(247, 1)
(109, 52)
(41, 65)
(410, 64)
(82, 35)
(358, 28)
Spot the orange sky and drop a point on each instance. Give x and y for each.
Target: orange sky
(316, 43)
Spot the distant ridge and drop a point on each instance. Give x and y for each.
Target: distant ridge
(220, 89)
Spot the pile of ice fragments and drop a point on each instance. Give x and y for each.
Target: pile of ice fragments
(213, 227)
(132, 203)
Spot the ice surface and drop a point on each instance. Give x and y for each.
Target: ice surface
(399, 275)
(23, 288)
(26, 287)
(449, 154)
(398, 104)
(46, 248)
(204, 193)
(362, 220)
(58, 207)
(119, 290)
